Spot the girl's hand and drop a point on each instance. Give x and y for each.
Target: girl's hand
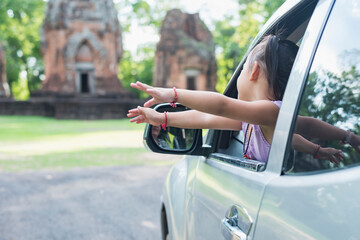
(355, 142)
(146, 115)
(160, 95)
(331, 154)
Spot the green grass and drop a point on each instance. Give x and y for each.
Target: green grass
(13, 128)
(38, 143)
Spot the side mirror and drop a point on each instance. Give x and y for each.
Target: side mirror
(173, 140)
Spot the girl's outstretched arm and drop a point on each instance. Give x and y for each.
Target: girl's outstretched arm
(301, 144)
(188, 119)
(261, 112)
(315, 128)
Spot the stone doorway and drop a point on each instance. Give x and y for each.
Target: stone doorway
(84, 83)
(85, 80)
(191, 84)
(84, 68)
(192, 78)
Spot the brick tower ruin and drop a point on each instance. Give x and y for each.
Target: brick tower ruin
(82, 47)
(185, 55)
(4, 87)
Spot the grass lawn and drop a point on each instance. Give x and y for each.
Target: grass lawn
(36, 143)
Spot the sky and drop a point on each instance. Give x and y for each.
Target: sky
(209, 11)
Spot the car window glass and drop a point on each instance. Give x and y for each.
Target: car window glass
(331, 94)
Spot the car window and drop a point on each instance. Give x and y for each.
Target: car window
(331, 93)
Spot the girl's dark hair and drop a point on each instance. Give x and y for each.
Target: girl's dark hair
(276, 56)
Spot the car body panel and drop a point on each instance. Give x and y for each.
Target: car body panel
(315, 206)
(217, 187)
(176, 193)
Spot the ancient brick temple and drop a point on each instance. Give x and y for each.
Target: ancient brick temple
(4, 87)
(185, 55)
(82, 47)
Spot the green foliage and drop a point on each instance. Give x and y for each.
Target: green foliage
(144, 13)
(232, 40)
(333, 98)
(132, 70)
(140, 67)
(20, 22)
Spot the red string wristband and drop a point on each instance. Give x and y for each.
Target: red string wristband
(315, 155)
(173, 103)
(165, 123)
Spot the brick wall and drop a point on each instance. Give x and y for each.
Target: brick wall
(75, 108)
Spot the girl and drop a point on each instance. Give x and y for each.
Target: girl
(260, 86)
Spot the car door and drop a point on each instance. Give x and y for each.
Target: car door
(312, 198)
(227, 191)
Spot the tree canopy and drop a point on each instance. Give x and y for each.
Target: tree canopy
(20, 22)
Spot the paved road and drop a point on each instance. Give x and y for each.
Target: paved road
(119, 203)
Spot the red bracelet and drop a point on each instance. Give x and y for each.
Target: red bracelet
(173, 103)
(315, 155)
(165, 123)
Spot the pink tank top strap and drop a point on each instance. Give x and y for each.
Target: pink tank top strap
(255, 145)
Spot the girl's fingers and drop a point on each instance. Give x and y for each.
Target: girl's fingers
(138, 86)
(337, 157)
(134, 85)
(140, 119)
(340, 156)
(134, 119)
(142, 86)
(150, 103)
(150, 91)
(135, 111)
(140, 110)
(132, 115)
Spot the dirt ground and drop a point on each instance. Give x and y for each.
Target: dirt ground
(97, 203)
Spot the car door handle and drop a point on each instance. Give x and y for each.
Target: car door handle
(237, 223)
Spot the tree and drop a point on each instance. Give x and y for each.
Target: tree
(132, 70)
(233, 40)
(20, 22)
(140, 67)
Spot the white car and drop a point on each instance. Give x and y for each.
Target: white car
(214, 193)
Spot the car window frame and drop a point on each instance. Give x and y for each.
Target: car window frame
(298, 105)
(285, 125)
(214, 139)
